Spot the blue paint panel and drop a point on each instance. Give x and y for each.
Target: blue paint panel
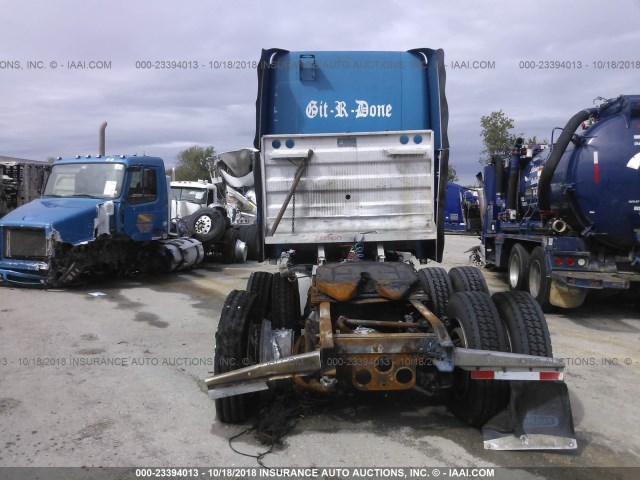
(349, 92)
(452, 204)
(73, 217)
(454, 218)
(342, 92)
(128, 161)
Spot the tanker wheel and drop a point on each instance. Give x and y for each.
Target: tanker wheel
(260, 284)
(285, 301)
(436, 284)
(206, 225)
(231, 352)
(518, 267)
(475, 323)
(525, 324)
(468, 279)
(540, 279)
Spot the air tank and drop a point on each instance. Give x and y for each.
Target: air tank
(590, 179)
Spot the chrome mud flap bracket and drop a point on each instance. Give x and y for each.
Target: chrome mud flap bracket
(256, 377)
(538, 418)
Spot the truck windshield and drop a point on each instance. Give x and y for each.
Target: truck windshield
(96, 180)
(193, 195)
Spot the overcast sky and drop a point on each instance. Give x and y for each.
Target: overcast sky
(57, 111)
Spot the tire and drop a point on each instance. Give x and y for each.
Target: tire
(518, 269)
(242, 231)
(206, 225)
(436, 284)
(475, 323)
(524, 321)
(230, 252)
(285, 302)
(232, 336)
(260, 284)
(468, 279)
(539, 279)
(252, 239)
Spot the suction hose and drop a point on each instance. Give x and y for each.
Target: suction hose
(514, 175)
(544, 184)
(499, 166)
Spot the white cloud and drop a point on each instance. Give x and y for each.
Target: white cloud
(159, 112)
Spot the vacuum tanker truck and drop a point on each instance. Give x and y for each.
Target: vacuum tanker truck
(565, 220)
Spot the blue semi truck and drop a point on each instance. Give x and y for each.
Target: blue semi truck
(564, 221)
(350, 178)
(96, 214)
(461, 209)
(112, 214)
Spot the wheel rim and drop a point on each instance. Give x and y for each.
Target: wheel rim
(535, 275)
(458, 337)
(508, 335)
(240, 251)
(514, 271)
(460, 377)
(203, 225)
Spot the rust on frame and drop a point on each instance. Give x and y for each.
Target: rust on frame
(392, 290)
(436, 323)
(343, 292)
(326, 337)
(382, 372)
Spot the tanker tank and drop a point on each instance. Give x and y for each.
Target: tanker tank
(565, 219)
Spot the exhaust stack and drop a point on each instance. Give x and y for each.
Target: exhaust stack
(103, 128)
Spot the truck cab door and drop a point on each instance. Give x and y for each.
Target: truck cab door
(144, 215)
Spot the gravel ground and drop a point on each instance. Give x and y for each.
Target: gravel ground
(111, 375)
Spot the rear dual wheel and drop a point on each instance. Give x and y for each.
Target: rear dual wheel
(260, 285)
(436, 284)
(507, 322)
(232, 352)
(440, 285)
(475, 323)
(468, 279)
(524, 322)
(285, 301)
(238, 339)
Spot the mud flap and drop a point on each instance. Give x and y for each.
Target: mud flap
(565, 296)
(538, 418)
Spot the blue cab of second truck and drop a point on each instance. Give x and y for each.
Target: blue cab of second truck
(124, 197)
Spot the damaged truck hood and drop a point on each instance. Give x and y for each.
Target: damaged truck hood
(72, 218)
